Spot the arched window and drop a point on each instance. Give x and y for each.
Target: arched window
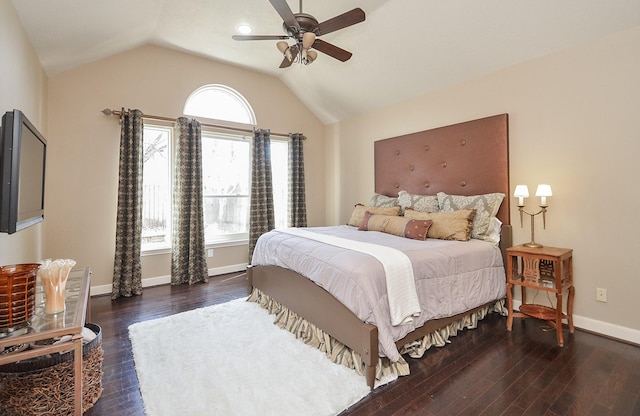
(219, 102)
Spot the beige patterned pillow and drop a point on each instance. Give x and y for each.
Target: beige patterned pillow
(400, 226)
(424, 203)
(486, 207)
(379, 200)
(455, 225)
(358, 213)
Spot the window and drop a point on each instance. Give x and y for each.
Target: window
(156, 187)
(226, 172)
(219, 102)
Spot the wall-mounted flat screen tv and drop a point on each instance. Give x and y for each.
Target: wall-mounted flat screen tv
(23, 155)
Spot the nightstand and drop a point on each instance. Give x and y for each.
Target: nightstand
(548, 269)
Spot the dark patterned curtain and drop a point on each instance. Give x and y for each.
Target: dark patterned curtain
(261, 216)
(297, 203)
(127, 269)
(188, 258)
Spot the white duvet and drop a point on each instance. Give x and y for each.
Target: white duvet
(450, 276)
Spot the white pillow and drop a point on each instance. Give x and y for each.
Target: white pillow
(493, 234)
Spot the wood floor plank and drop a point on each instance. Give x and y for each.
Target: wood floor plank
(486, 371)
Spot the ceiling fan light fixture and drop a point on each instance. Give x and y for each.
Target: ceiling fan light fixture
(309, 56)
(312, 55)
(304, 30)
(307, 40)
(282, 47)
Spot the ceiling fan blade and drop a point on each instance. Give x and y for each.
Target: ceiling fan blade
(332, 50)
(259, 37)
(341, 21)
(285, 63)
(285, 12)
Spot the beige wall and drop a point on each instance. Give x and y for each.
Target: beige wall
(573, 123)
(84, 162)
(23, 86)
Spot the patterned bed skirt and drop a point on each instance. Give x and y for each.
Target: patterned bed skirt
(341, 354)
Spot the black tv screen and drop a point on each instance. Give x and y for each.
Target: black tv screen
(23, 155)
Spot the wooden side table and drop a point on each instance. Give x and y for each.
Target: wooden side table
(548, 269)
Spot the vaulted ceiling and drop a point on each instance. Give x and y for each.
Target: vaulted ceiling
(403, 48)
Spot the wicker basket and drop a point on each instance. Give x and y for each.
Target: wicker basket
(17, 295)
(45, 385)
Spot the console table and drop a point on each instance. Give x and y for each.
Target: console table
(44, 326)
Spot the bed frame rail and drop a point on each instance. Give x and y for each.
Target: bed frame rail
(316, 305)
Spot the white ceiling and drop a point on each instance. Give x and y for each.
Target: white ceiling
(403, 49)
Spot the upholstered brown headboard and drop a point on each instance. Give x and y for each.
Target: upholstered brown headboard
(469, 158)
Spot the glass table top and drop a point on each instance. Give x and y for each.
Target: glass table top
(69, 321)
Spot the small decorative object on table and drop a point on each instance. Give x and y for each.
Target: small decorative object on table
(53, 274)
(17, 295)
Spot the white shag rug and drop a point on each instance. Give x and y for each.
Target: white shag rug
(230, 359)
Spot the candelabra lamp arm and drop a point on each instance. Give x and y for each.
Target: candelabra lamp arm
(543, 210)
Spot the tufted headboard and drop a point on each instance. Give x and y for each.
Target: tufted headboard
(467, 158)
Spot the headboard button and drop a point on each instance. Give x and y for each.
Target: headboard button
(463, 183)
(463, 142)
(444, 164)
(397, 152)
(427, 184)
(412, 168)
(426, 148)
(397, 186)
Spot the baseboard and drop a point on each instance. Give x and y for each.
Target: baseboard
(164, 280)
(601, 328)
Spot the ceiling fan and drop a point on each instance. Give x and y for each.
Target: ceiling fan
(304, 29)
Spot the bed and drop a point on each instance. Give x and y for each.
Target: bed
(469, 158)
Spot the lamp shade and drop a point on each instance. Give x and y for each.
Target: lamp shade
(307, 40)
(522, 191)
(282, 46)
(544, 190)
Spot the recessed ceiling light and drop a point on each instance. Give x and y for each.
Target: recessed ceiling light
(244, 29)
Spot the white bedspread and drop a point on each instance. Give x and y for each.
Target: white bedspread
(401, 285)
(451, 277)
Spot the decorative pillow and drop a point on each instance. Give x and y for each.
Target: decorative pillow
(400, 226)
(455, 225)
(359, 210)
(383, 201)
(424, 203)
(486, 207)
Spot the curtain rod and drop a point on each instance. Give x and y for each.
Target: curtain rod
(110, 112)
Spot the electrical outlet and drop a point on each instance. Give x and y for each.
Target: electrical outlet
(209, 252)
(601, 295)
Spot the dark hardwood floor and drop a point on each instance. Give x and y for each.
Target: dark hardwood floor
(486, 371)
